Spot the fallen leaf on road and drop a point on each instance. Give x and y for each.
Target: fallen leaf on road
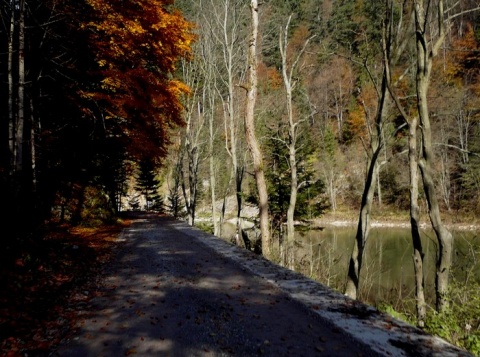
(130, 352)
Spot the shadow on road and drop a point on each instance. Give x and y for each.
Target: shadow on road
(167, 294)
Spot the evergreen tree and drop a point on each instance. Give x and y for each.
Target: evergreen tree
(148, 185)
(342, 24)
(310, 200)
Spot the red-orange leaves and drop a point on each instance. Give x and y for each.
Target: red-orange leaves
(464, 57)
(135, 46)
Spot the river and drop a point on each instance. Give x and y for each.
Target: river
(387, 273)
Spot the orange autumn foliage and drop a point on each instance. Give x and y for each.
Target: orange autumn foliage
(363, 113)
(464, 57)
(135, 46)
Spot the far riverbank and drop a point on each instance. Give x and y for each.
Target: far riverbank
(402, 220)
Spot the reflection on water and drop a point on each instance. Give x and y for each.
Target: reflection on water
(387, 273)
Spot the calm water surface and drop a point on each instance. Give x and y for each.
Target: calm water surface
(387, 272)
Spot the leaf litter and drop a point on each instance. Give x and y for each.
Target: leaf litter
(46, 280)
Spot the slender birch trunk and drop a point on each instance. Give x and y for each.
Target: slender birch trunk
(363, 230)
(252, 142)
(413, 160)
(293, 123)
(226, 34)
(211, 160)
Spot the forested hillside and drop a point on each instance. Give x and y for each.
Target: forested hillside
(369, 107)
(320, 71)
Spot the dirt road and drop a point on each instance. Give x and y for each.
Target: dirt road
(168, 294)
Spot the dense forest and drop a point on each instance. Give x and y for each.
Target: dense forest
(88, 88)
(297, 107)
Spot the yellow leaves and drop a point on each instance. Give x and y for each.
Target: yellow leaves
(116, 50)
(86, 95)
(176, 30)
(134, 27)
(357, 121)
(158, 26)
(179, 88)
(363, 113)
(184, 45)
(111, 84)
(95, 4)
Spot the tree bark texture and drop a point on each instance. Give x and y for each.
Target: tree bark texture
(252, 142)
(363, 228)
(11, 112)
(292, 137)
(211, 162)
(20, 122)
(414, 223)
(425, 55)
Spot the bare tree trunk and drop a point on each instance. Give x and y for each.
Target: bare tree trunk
(231, 147)
(379, 186)
(415, 223)
(193, 162)
(177, 178)
(289, 82)
(237, 170)
(251, 138)
(20, 123)
(425, 55)
(212, 175)
(238, 193)
(227, 35)
(363, 228)
(209, 99)
(190, 195)
(195, 120)
(33, 155)
(412, 123)
(11, 112)
(291, 145)
(293, 193)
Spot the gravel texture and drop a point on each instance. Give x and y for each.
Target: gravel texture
(176, 291)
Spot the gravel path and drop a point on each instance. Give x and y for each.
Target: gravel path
(168, 294)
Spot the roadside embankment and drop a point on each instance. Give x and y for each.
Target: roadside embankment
(384, 334)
